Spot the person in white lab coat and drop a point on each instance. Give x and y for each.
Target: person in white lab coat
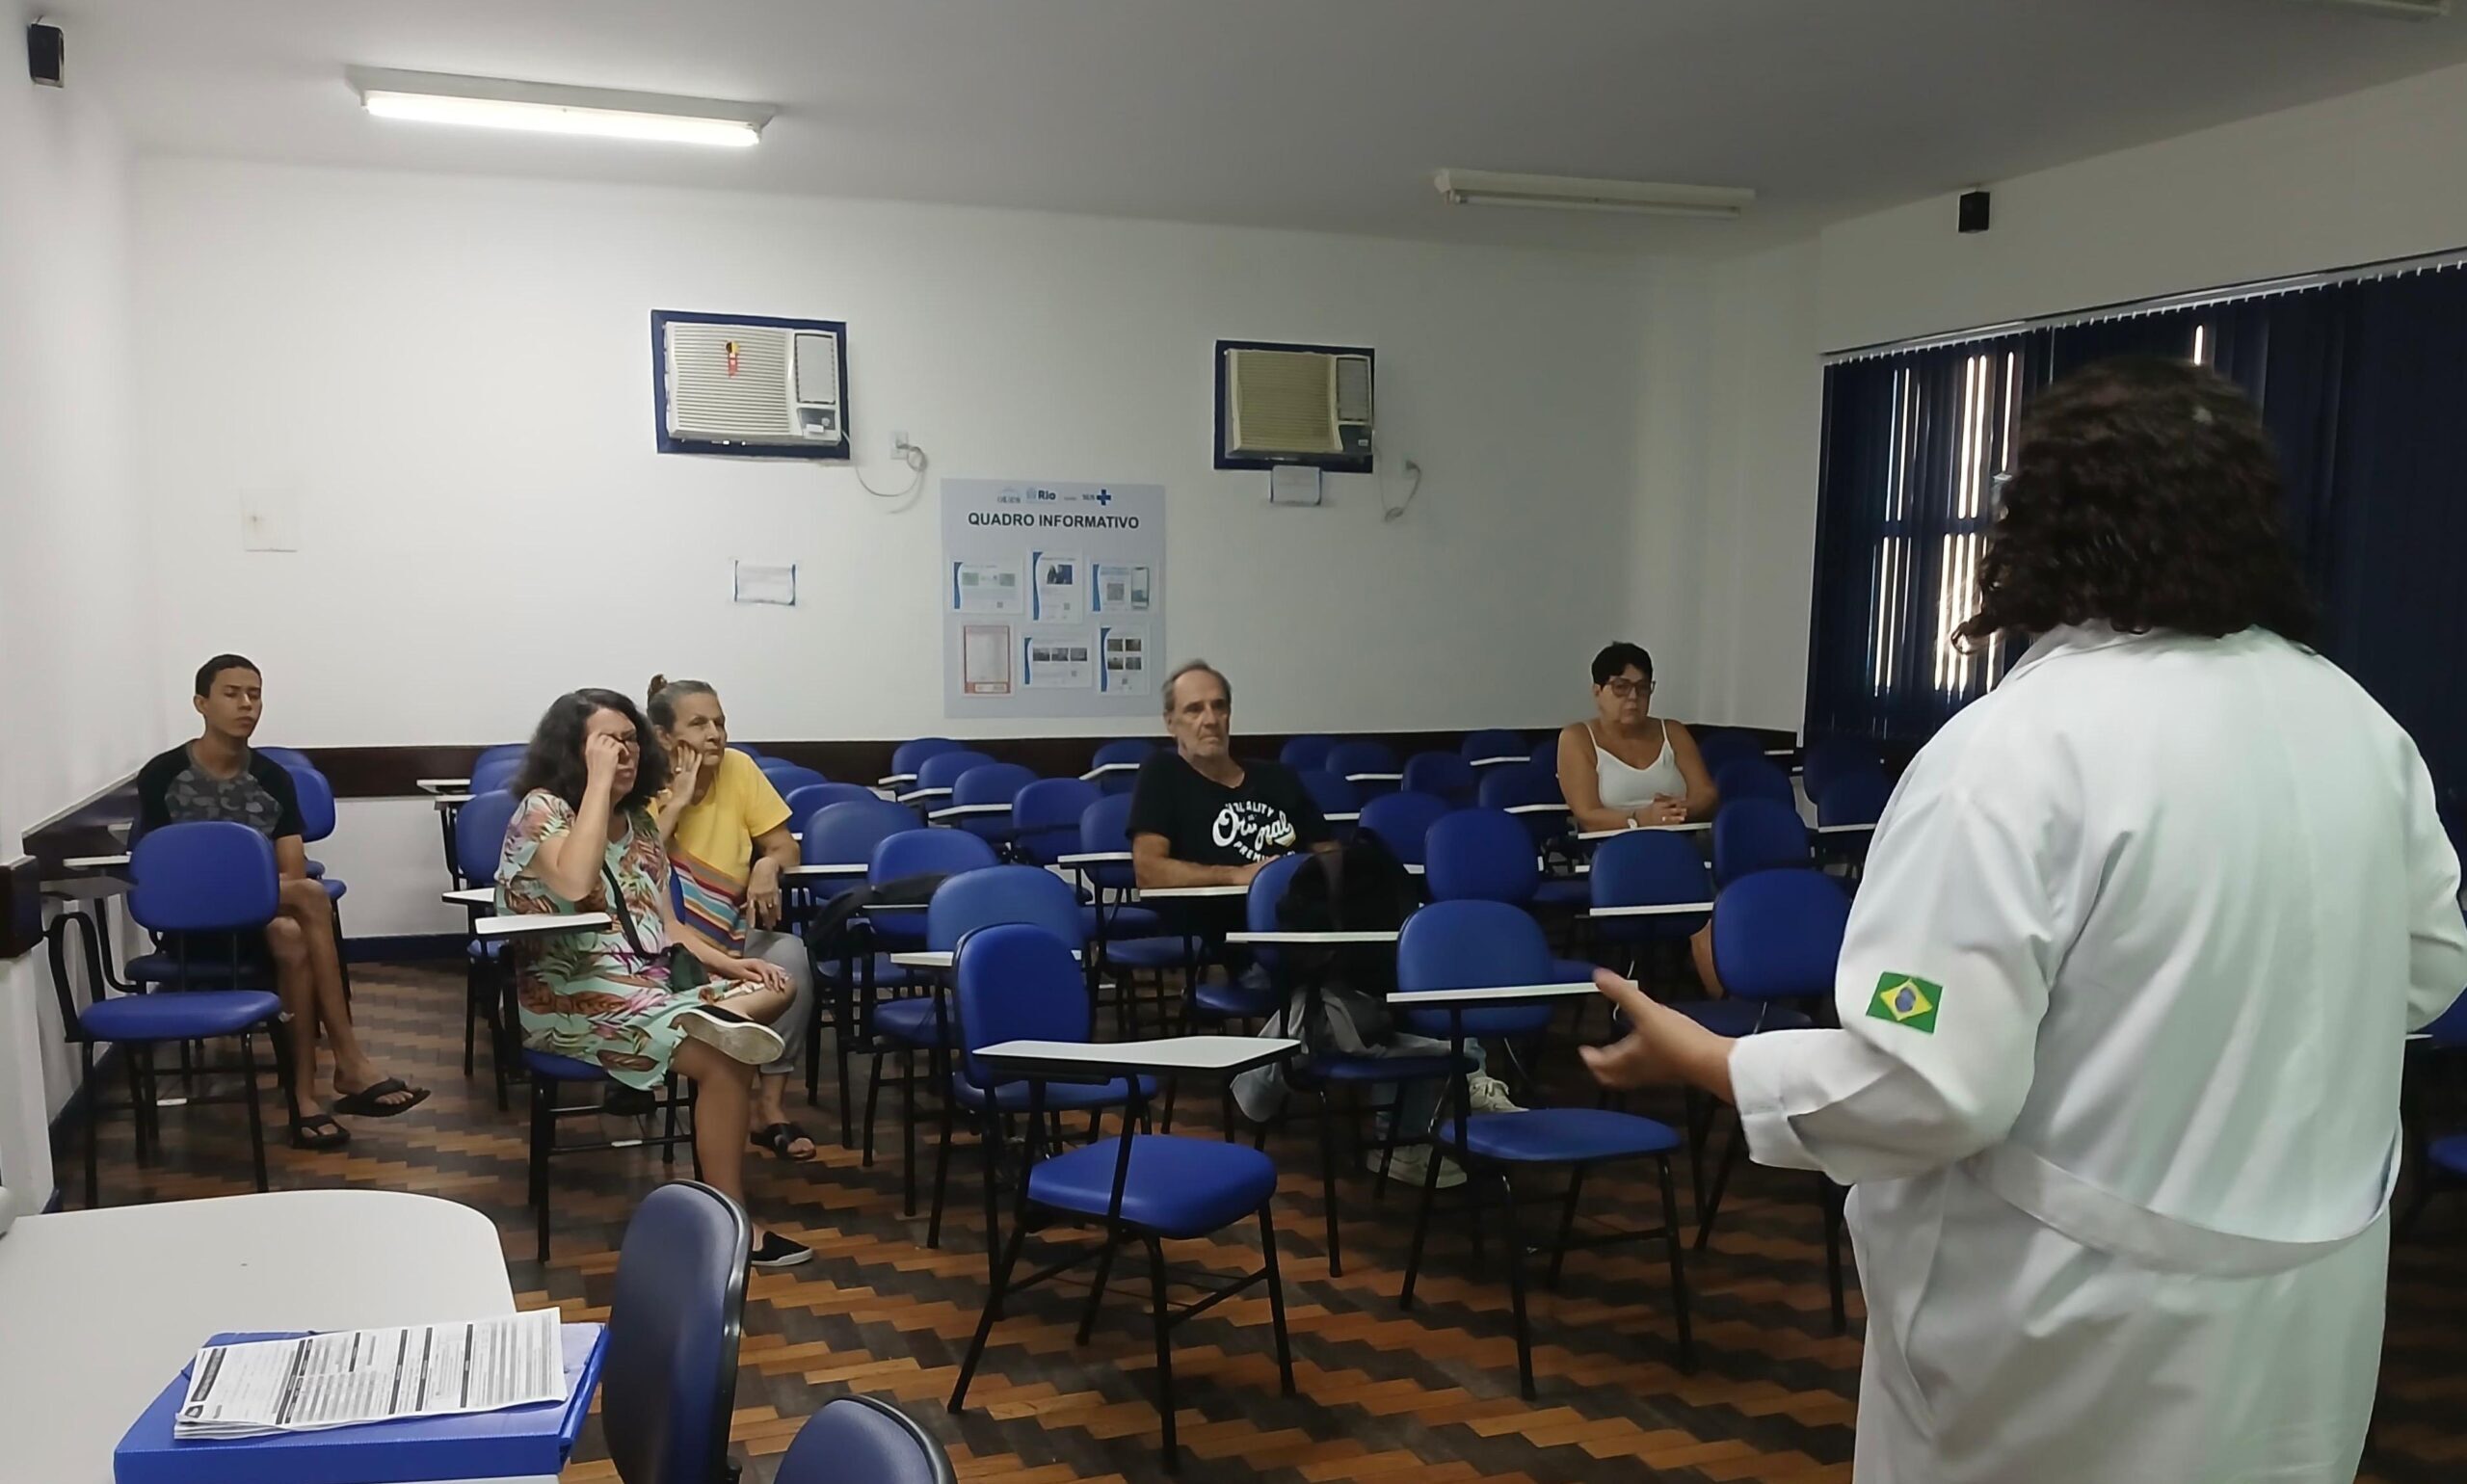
(2122, 996)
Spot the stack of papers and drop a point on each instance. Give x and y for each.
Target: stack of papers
(357, 1376)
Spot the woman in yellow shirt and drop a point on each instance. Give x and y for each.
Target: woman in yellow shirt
(726, 832)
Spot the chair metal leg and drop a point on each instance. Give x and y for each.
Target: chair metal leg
(542, 1129)
(942, 1173)
(992, 1309)
(1678, 1268)
(1830, 1195)
(908, 1131)
(873, 1098)
(1422, 1232)
(1700, 1128)
(93, 1122)
(1097, 1289)
(256, 1115)
(989, 1144)
(1567, 1224)
(1515, 1245)
(668, 1127)
(1732, 1149)
(1276, 1296)
(1164, 1352)
(1328, 1178)
(140, 1097)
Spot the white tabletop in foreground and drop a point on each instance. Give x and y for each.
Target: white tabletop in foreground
(1688, 826)
(102, 1308)
(1491, 995)
(1165, 1054)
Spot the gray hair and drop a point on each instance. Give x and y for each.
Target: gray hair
(660, 706)
(1194, 667)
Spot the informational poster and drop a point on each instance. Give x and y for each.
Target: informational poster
(1053, 599)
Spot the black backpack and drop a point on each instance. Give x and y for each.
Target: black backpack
(1358, 887)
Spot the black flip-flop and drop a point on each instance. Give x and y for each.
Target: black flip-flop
(318, 1132)
(776, 1137)
(369, 1101)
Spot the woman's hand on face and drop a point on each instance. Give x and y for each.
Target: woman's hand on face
(602, 755)
(685, 770)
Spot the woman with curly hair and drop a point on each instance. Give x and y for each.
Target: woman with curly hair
(2123, 993)
(638, 998)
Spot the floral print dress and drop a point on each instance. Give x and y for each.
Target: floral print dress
(590, 996)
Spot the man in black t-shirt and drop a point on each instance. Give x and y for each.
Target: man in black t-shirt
(220, 777)
(1200, 818)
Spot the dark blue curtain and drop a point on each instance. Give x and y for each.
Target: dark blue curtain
(2364, 387)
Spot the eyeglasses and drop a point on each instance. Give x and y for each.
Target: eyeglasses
(1628, 690)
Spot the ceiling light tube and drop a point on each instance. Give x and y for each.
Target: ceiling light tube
(548, 108)
(1569, 193)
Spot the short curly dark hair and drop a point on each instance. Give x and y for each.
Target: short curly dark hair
(2146, 495)
(1615, 658)
(554, 759)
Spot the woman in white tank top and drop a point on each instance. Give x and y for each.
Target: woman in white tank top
(1627, 766)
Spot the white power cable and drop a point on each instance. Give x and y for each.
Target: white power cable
(912, 456)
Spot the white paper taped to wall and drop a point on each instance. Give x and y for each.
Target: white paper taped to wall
(986, 586)
(1058, 577)
(985, 659)
(1120, 588)
(1124, 647)
(1056, 661)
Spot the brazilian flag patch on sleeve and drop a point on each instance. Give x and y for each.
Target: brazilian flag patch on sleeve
(1907, 1000)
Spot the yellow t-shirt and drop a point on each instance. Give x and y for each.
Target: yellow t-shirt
(713, 848)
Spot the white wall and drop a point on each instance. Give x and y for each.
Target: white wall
(2373, 175)
(450, 377)
(88, 701)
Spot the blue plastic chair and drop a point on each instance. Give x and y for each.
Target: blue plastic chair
(1855, 798)
(1018, 982)
(803, 800)
(1777, 938)
(938, 773)
(316, 798)
(982, 788)
(1837, 757)
(289, 758)
(1493, 747)
(1116, 764)
(1758, 834)
(1401, 822)
(1546, 757)
(195, 883)
(1019, 895)
(1445, 775)
(920, 853)
(1335, 800)
(787, 777)
(910, 1024)
(500, 751)
(1308, 753)
(1370, 766)
(1133, 938)
(669, 1385)
(846, 834)
(1649, 868)
(495, 773)
(860, 1438)
(478, 844)
(1486, 854)
(910, 757)
(1720, 747)
(1459, 945)
(1044, 818)
(749, 749)
(1531, 796)
(1752, 778)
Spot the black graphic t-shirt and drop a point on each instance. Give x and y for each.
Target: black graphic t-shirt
(172, 789)
(1205, 823)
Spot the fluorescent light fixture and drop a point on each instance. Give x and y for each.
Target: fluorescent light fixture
(1570, 193)
(548, 108)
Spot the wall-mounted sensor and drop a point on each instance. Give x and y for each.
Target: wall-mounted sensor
(1974, 213)
(45, 49)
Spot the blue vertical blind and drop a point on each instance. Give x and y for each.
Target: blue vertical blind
(2361, 383)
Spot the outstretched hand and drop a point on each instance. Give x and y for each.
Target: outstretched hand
(1661, 1045)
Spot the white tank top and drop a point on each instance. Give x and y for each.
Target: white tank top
(1623, 787)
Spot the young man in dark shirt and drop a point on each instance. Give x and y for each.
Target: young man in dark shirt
(219, 776)
(1199, 817)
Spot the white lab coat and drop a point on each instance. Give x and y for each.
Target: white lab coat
(2121, 1214)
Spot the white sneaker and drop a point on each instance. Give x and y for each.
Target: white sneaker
(1487, 1094)
(1412, 1166)
(735, 1036)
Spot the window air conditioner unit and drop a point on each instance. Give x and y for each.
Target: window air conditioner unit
(749, 386)
(1294, 404)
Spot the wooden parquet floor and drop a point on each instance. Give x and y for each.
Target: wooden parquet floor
(1428, 1395)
